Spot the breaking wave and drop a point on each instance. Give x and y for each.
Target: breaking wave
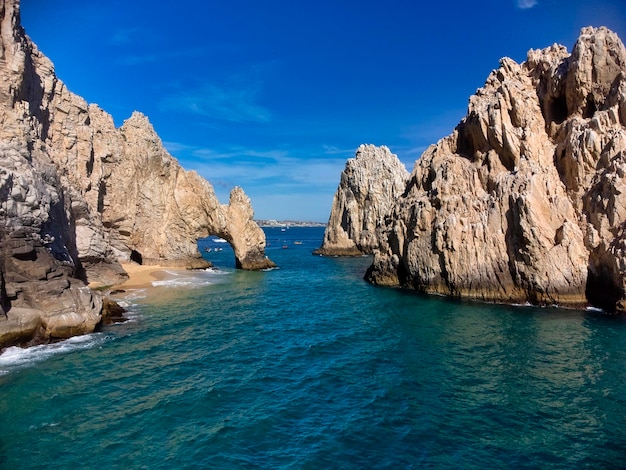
(16, 358)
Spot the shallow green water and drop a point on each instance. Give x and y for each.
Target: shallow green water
(308, 366)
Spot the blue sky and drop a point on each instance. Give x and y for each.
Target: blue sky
(275, 96)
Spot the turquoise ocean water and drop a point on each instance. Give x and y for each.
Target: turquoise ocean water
(308, 366)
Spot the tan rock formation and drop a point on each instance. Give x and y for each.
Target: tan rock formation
(78, 195)
(156, 210)
(524, 201)
(369, 186)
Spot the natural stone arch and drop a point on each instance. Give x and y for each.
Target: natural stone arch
(154, 207)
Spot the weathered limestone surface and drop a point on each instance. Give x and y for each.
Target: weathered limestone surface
(369, 186)
(525, 201)
(78, 195)
(154, 208)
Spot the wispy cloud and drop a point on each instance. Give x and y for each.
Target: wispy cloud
(297, 183)
(122, 37)
(333, 150)
(140, 59)
(169, 56)
(281, 168)
(232, 104)
(526, 4)
(240, 154)
(409, 155)
(176, 148)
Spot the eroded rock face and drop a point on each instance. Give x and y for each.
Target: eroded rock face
(369, 186)
(40, 294)
(524, 201)
(154, 208)
(78, 195)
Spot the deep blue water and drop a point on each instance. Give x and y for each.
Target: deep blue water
(308, 366)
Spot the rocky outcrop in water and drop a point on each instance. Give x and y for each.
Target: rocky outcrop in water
(369, 186)
(525, 201)
(78, 195)
(155, 211)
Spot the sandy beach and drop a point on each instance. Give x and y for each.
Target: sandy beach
(141, 276)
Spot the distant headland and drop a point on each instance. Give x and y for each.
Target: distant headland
(289, 223)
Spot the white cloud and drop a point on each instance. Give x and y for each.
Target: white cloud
(239, 153)
(123, 37)
(170, 56)
(526, 4)
(219, 103)
(284, 183)
(175, 148)
(279, 167)
(334, 150)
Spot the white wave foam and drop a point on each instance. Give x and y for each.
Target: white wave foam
(188, 282)
(15, 357)
(44, 425)
(130, 301)
(216, 271)
(190, 279)
(130, 298)
(594, 309)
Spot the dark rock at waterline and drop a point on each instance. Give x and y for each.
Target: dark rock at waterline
(112, 312)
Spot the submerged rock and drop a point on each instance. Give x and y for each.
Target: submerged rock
(112, 312)
(369, 186)
(77, 196)
(524, 201)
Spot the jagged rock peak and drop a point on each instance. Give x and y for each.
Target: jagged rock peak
(577, 84)
(369, 184)
(78, 195)
(523, 201)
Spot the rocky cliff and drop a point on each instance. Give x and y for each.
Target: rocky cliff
(78, 195)
(526, 200)
(368, 188)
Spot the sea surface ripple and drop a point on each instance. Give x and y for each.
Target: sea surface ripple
(310, 367)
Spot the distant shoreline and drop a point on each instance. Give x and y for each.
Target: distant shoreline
(289, 223)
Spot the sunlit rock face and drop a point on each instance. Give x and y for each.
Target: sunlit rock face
(153, 208)
(78, 195)
(369, 186)
(525, 200)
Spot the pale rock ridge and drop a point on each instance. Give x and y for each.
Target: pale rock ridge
(368, 188)
(155, 209)
(78, 195)
(524, 201)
